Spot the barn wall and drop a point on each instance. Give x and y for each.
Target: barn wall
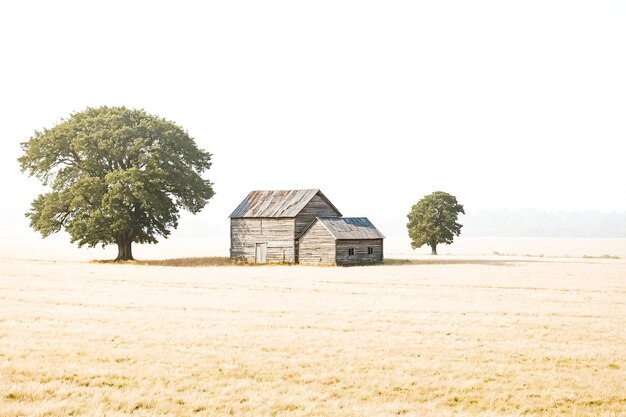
(316, 207)
(317, 246)
(277, 233)
(360, 252)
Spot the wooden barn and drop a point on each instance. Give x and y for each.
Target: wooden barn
(341, 241)
(268, 226)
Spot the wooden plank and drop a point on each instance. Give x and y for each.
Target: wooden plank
(316, 207)
(317, 246)
(361, 255)
(276, 233)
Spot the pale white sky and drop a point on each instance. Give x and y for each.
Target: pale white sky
(504, 104)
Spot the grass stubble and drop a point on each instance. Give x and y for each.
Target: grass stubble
(520, 339)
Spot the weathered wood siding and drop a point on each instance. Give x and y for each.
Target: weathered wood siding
(316, 207)
(360, 252)
(317, 246)
(277, 233)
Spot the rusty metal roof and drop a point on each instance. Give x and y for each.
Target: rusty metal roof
(350, 228)
(276, 203)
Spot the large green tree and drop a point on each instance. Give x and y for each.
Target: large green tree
(116, 176)
(433, 220)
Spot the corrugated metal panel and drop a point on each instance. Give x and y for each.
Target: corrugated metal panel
(273, 203)
(351, 228)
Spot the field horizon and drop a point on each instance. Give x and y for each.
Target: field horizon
(58, 248)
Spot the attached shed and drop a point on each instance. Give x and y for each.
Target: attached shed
(266, 225)
(341, 241)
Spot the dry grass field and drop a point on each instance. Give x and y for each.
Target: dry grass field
(524, 338)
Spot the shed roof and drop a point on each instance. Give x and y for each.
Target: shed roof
(276, 203)
(349, 228)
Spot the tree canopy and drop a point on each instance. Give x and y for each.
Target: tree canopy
(116, 176)
(433, 220)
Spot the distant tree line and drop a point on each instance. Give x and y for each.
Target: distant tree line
(540, 223)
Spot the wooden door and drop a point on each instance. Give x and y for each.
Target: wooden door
(261, 253)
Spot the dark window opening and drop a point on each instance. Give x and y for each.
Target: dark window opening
(350, 251)
(370, 251)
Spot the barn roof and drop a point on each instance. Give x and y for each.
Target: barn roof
(276, 203)
(349, 228)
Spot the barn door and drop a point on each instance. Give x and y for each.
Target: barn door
(261, 253)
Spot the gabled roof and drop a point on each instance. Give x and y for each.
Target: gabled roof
(348, 228)
(276, 203)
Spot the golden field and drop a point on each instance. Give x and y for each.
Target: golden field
(525, 337)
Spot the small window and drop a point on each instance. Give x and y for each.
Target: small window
(370, 250)
(350, 251)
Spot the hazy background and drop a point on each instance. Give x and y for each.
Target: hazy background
(517, 108)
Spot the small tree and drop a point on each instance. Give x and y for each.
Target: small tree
(433, 220)
(117, 176)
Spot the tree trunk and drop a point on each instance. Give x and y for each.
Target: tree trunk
(433, 247)
(124, 250)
